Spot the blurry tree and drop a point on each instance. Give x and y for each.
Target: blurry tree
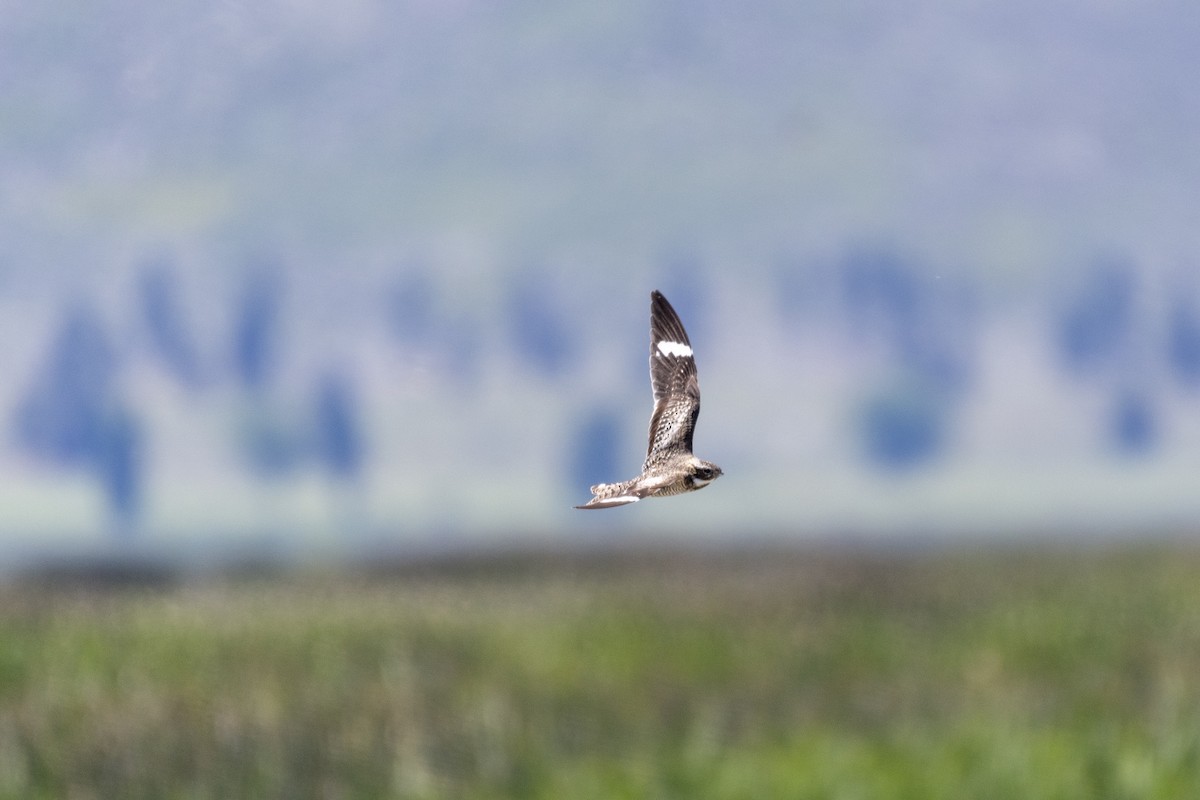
(158, 293)
(541, 334)
(255, 334)
(63, 414)
(882, 296)
(926, 328)
(338, 446)
(1095, 325)
(118, 463)
(338, 438)
(1134, 428)
(594, 449)
(270, 440)
(903, 426)
(1183, 341)
(73, 416)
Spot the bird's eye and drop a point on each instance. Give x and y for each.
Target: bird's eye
(704, 473)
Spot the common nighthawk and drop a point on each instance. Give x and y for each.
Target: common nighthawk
(670, 468)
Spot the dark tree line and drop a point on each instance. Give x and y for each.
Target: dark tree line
(76, 412)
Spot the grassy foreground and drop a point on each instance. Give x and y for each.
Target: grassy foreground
(989, 674)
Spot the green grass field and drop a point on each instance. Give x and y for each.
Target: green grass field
(996, 673)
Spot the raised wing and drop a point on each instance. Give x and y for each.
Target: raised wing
(673, 379)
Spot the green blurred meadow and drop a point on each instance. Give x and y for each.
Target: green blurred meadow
(993, 672)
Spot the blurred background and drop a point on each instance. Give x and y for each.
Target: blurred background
(319, 317)
(298, 278)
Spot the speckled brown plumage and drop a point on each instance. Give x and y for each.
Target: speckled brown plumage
(670, 467)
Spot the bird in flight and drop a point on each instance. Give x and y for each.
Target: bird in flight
(670, 468)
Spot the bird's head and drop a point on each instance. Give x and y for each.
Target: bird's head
(704, 473)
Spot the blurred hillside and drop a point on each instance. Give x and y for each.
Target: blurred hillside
(304, 276)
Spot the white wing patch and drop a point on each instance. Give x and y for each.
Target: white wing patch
(673, 349)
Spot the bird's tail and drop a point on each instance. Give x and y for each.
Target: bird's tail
(610, 495)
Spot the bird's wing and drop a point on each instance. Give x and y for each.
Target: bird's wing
(673, 379)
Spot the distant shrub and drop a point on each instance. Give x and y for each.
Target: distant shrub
(1183, 342)
(541, 335)
(1134, 429)
(925, 327)
(63, 414)
(255, 334)
(158, 297)
(338, 441)
(902, 427)
(73, 415)
(882, 294)
(118, 462)
(595, 454)
(1095, 324)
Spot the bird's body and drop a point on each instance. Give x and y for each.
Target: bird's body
(669, 468)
